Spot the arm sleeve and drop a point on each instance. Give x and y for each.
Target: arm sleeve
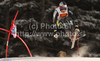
(55, 15)
(73, 17)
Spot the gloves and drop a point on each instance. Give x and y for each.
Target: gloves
(55, 36)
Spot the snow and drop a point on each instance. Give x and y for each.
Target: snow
(51, 59)
(33, 4)
(4, 2)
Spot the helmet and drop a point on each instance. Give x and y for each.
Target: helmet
(63, 5)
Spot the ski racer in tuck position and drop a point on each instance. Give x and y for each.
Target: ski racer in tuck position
(61, 16)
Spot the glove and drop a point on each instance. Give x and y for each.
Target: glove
(55, 36)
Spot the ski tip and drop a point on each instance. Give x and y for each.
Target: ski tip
(72, 47)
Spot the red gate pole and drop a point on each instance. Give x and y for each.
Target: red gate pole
(9, 34)
(25, 45)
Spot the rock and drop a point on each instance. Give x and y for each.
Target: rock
(61, 54)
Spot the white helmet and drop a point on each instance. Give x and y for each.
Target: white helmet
(63, 5)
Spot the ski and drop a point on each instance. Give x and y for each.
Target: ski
(75, 37)
(81, 36)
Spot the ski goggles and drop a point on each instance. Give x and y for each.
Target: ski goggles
(62, 8)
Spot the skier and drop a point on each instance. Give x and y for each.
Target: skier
(63, 12)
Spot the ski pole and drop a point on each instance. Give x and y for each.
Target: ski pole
(78, 47)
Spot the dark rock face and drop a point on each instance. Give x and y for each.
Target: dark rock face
(34, 13)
